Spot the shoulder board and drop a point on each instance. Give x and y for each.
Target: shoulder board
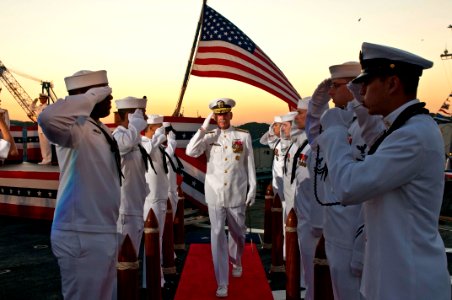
(241, 130)
(212, 131)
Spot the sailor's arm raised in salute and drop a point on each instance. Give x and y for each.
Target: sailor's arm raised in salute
(196, 147)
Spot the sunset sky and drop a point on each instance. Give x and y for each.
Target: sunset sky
(144, 45)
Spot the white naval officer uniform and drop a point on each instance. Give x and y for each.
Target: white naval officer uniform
(401, 194)
(44, 145)
(134, 188)
(230, 171)
(83, 235)
(405, 256)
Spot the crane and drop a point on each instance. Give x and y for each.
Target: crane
(19, 94)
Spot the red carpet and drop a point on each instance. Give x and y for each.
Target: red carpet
(198, 279)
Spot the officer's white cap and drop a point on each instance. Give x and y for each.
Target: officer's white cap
(166, 124)
(131, 102)
(277, 119)
(345, 70)
(303, 103)
(221, 105)
(381, 60)
(86, 78)
(154, 119)
(290, 116)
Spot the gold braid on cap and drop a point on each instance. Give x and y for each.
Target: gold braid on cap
(221, 108)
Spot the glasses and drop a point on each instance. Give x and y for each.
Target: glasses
(336, 85)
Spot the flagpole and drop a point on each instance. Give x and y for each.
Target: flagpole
(176, 112)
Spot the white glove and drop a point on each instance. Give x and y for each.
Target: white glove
(160, 131)
(250, 201)
(320, 96)
(336, 117)
(137, 120)
(171, 136)
(206, 122)
(99, 94)
(270, 129)
(355, 89)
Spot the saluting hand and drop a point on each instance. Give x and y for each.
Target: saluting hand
(320, 95)
(137, 120)
(206, 122)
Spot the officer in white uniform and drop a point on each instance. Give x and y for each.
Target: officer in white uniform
(46, 150)
(343, 226)
(272, 139)
(174, 165)
(400, 182)
(230, 186)
(130, 123)
(7, 145)
(83, 235)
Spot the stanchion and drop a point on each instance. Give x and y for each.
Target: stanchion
(179, 239)
(169, 267)
(323, 289)
(277, 264)
(152, 252)
(127, 271)
(268, 217)
(292, 258)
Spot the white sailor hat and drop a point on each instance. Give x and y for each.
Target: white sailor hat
(166, 124)
(130, 102)
(86, 78)
(303, 103)
(345, 70)
(277, 119)
(154, 119)
(383, 60)
(289, 117)
(222, 105)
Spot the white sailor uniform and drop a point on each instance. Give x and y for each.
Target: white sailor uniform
(44, 145)
(134, 188)
(83, 235)
(172, 175)
(230, 170)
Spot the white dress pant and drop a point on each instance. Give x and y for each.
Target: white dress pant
(235, 217)
(174, 198)
(132, 226)
(345, 285)
(308, 244)
(87, 263)
(46, 150)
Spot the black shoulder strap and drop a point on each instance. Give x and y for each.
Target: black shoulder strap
(295, 160)
(405, 115)
(113, 148)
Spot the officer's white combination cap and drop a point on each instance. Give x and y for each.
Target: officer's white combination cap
(154, 119)
(384, 60)
(86, 78)
(277, 119)
(221, 105)
(303, 103)
(290, 116)
(131, 102)
(345, 70)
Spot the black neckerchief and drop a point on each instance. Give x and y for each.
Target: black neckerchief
(163, 152)
(405, 115)
(145, 156)
(294, 163)
(285, 159)
(113, 148)
(168, 158)
(180, 166)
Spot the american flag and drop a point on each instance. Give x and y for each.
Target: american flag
(225, 51)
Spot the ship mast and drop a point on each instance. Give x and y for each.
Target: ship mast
(446, 54)
(177, 112)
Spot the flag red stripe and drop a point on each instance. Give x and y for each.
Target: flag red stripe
(243, 79)
(272, 72)
(198, 162)
(233, 64)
